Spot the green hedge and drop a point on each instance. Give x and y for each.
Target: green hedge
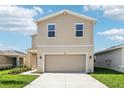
(19, 70)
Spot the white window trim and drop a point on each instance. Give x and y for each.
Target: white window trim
(76, 30)
(51, 31)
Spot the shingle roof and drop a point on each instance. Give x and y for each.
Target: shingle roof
(11, 52)
(110, 49)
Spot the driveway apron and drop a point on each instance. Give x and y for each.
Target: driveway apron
(65, 80)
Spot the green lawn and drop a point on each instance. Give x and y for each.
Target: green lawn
(14, 81)
(110, 78)
(4, 72)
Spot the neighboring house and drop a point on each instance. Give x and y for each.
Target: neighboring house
(112, 58)
(11, 58)
(63, 43)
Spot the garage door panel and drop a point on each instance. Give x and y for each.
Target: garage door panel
(65, 63)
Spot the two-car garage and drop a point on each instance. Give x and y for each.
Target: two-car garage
(65, 63)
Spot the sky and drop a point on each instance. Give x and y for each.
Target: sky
(17, 24)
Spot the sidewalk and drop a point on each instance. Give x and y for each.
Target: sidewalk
(32, 72)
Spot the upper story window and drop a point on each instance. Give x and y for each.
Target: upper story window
(79, 30)
(51, 30)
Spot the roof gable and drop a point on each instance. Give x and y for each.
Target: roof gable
(65, 11)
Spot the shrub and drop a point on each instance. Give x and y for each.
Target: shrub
(6, 68)
(19, 70)
(21, 66)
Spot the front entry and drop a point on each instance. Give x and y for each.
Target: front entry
(34, 61)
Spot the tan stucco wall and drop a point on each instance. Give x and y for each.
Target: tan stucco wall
(31, 60)
(87, 50)
(65, 35)
(116, 60)
(65, 31)
(27, 60)
(34, 41)
(5, 60)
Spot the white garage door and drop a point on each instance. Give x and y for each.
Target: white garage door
(65, 63)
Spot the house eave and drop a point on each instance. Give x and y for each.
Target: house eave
(68, 11)
(108, 49)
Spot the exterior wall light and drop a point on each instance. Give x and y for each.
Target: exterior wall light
(90, 57)
(40, 57)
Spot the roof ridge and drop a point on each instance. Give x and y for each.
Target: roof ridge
(62, 11)
(110, 48)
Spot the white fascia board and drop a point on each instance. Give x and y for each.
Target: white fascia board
(108, 49)
(68, 11)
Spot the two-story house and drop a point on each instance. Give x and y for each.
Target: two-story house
(63, 43)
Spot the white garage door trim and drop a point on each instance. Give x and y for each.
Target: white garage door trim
(44, 54)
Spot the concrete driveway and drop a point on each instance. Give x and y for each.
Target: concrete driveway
(65, 80)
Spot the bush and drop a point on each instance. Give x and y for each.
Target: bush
(6, 68)
(19, 70)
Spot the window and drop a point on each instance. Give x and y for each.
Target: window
(79, 30)
(51, 30)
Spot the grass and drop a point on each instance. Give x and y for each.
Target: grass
(110, 78)
(15, 81)
(4, 72)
